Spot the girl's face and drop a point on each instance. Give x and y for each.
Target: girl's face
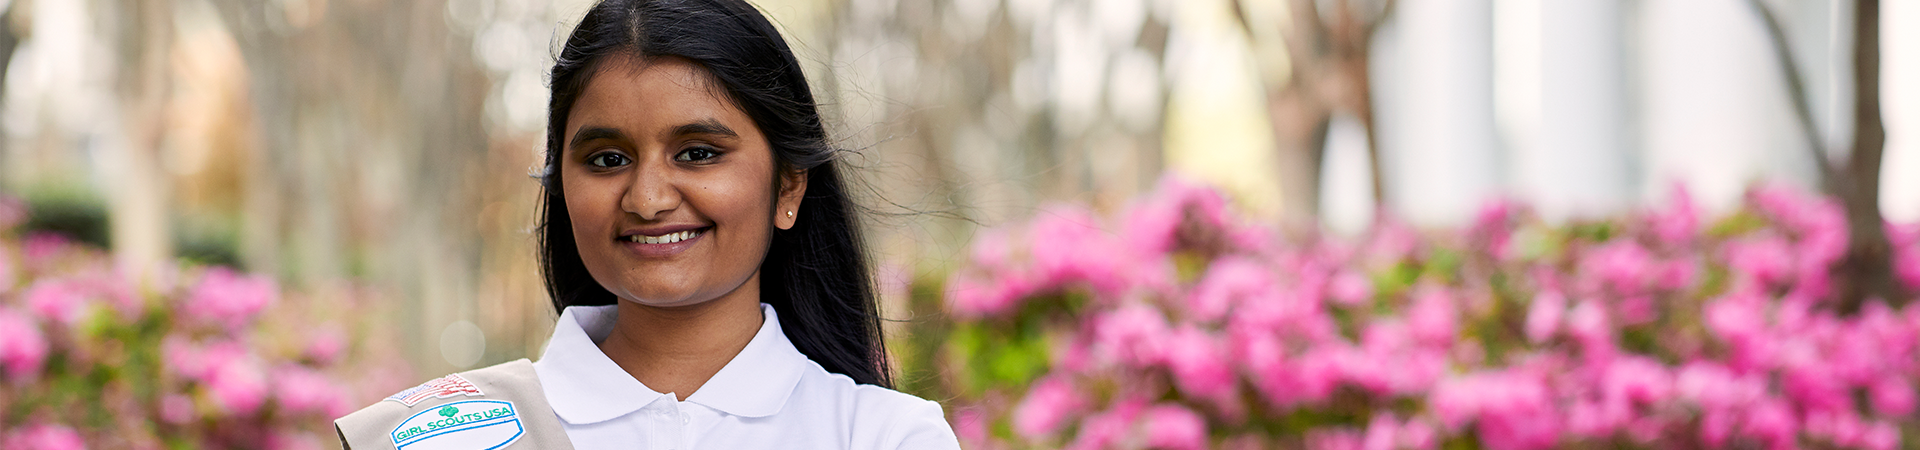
(670, 187)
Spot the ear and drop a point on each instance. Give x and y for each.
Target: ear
(793, 188)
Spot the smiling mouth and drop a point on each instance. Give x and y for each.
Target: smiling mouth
(668, 238)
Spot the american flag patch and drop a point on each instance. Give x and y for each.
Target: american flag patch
(442, 387)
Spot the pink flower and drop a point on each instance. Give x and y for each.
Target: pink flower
(1880, 436)
(6, 270)
(1716, 426)
(285, 440)
(1132, 335)
(1068, 246)
(1639, 379)
(1199, 365)
(1171, 426)
(1381, 432)
(299, 390)
(1820, 222)
(1677, 223)
(13, 212)
(1350, 288)
(196, 362)
(40, 247)
(1635, 310)
(1418, 435)
(228, 298)
(1493, 227)
(44, 437)
(1814, 387)
(238, 386)
(1543, 317)
(1677, 274)
(176, 409)
(971, 297)
(22, 348)
(1771, 421)
(993, 250)
(1315, 374)
(1843, 428)
(1513, 410)
(1589, 325)
(1906, 254)
(1520, 431)
(1391, 241)
(1050, 402)
(971, 426)
(1460, 400)
(1715, 388)
(1622, 265)
(1105, 429)
(1589, 418)
(1328, 438)
(1262, 356)
(1153, 225)
(1229, 279)
(1431, 317)
(56, 299)
(1892, 396)
(325, 345)
(1763, 261)
(1737, 320)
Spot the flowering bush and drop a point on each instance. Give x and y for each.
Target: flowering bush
(1179, 324)
(190, 358)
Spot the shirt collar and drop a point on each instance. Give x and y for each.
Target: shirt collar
(756, 382)
(584, 386)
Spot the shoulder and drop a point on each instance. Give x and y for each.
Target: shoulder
(502, 405)
(877, 417)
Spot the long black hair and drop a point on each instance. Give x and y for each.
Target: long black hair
(815, 274)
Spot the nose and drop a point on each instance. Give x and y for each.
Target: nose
(651, 192)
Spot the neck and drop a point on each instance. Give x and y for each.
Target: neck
(677, 349)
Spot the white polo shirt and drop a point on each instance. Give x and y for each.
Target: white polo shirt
(768, 396)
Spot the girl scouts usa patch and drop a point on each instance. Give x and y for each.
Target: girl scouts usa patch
(442, 387)
(463, 425)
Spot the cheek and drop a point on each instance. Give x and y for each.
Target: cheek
(586, 206)
(739, 197)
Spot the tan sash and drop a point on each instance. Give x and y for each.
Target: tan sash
(499, 407)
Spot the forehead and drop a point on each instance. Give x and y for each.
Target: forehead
(652, 94)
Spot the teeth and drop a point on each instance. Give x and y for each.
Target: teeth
(668, 238)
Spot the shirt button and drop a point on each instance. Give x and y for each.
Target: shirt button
(686, 419)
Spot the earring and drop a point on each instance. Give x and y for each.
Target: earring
(789, 214)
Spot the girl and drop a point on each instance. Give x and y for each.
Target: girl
(698, 240)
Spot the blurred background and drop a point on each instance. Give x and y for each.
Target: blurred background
(388, 143)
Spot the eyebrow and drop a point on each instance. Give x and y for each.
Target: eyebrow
(705, 126)
(594, 133)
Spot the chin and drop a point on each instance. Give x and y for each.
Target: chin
(667, 297)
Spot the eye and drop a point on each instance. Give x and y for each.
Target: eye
(608, 160)
(696, 154)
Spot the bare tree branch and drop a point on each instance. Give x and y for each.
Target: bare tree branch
(1797, 90)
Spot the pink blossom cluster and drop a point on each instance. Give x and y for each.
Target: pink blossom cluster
(1179, 324)
(187, 358)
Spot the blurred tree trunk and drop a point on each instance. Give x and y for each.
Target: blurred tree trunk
(1328, 57)
(1869, 256)
(1867, 270)
(9, 40)
(370, 125)
(138, 206)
